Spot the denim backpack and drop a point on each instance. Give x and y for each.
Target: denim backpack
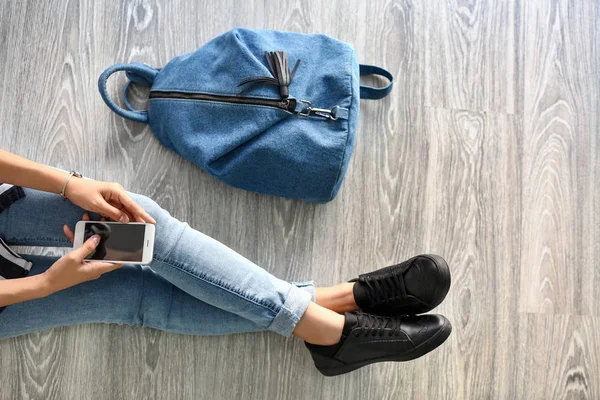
(266, 111)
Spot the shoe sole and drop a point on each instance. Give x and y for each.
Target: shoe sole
(431, 344)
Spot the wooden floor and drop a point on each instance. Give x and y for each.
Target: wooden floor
(486, 152)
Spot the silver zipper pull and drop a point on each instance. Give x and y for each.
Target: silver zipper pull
(321, 112)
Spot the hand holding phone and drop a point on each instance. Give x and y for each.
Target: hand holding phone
(71, 269)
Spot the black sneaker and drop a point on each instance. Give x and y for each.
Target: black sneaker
(414, 286)
(368, 339)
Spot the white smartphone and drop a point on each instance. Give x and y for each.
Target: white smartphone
(131, 243)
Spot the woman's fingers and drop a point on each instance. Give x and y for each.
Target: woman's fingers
(100, 268)
(113, 213)
(133, 208)
(124, 211)
(86, 249)
(69, 233)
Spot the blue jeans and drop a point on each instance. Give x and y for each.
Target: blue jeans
(194, 285)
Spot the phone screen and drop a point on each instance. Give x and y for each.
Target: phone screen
(118, 242)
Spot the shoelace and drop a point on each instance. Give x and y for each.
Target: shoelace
(384, 289)
(375, 325)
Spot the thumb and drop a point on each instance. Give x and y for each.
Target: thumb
(87, 247)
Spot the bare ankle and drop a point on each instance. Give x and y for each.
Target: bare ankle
(320, 326)
(338, 298)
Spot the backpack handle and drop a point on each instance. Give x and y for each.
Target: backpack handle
(374, 93)
(136, 72)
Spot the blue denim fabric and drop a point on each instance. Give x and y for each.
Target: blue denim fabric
(258, 148)
(195, 285)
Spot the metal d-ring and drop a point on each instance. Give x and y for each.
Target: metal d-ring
(331, 116)
(321, 112)
(308, 108)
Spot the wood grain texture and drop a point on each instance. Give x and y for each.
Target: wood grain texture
(472, 59)
(567, 361)
(486, 153)
(560, 158)
(472, 214)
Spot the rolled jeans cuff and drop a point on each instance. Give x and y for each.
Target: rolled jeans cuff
(296, 303)
(308, 286)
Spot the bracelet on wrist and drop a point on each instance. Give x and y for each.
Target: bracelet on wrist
(71, 174)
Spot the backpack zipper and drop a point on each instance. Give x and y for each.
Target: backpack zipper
(288, 104)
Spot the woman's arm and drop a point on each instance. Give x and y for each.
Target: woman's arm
(69, 270)
(107, 199)
(17, 290)
(22, 172)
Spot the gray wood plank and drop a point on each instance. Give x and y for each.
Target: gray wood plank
(566, 362)
(469, 54)
(560, 158)
(470, 214)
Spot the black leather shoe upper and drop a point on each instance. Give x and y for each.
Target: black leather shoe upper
(372, 338)
(414, 286)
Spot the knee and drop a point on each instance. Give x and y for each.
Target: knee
(162, 216)
(150, 206)
(168, 228)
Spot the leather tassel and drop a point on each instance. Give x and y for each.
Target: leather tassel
(282, 76)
